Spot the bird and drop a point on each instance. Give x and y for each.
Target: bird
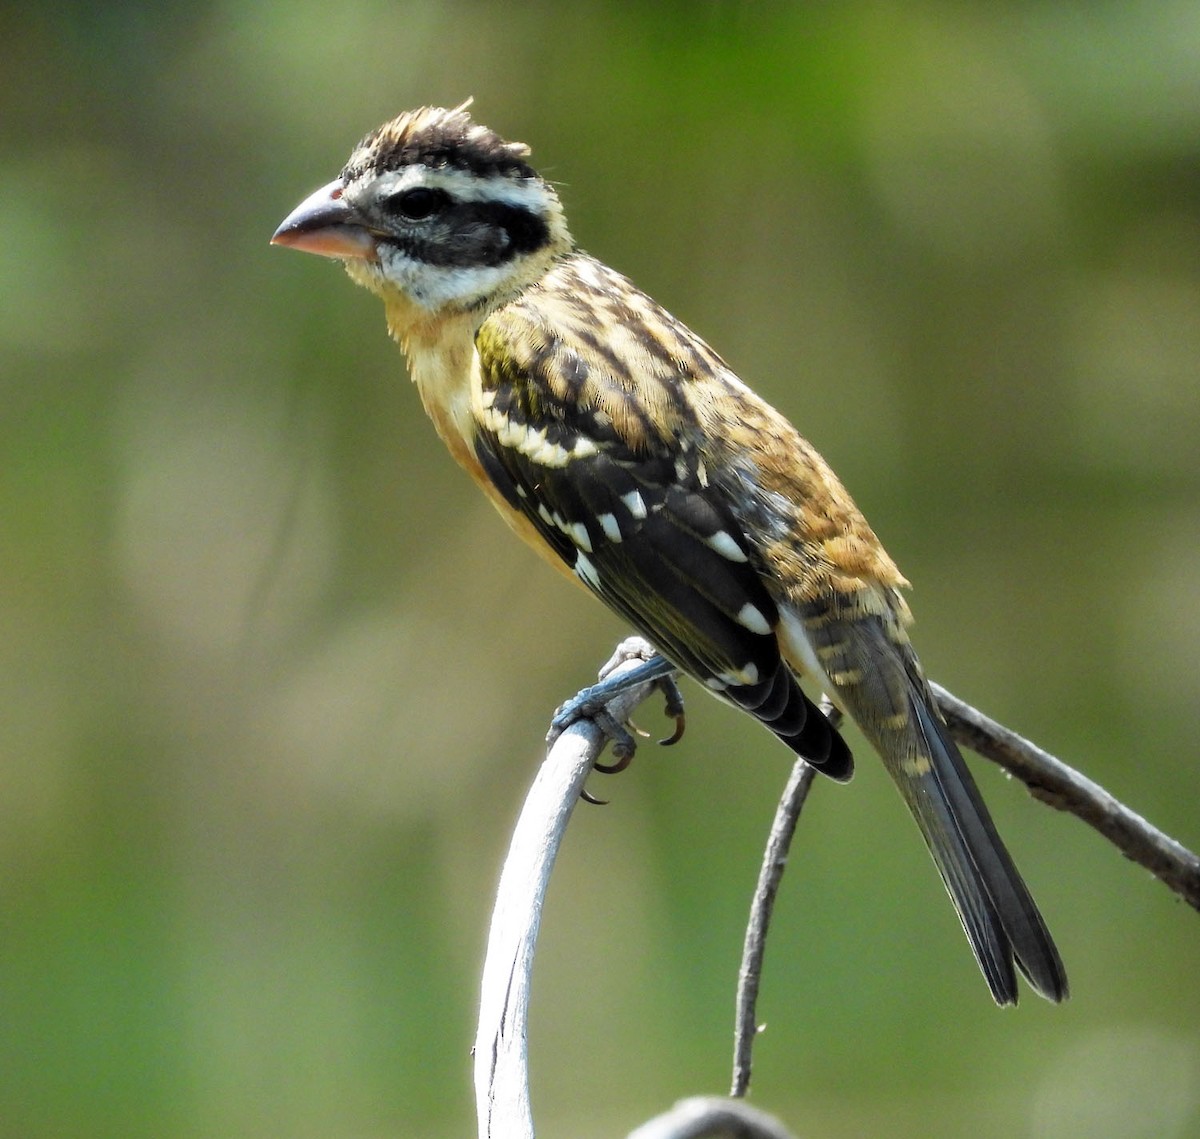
(626, 452)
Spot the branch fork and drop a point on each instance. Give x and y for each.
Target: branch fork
(579, 733)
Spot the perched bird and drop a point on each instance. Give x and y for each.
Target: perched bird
(623, 448)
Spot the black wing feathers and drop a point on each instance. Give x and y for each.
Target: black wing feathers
(640, 528)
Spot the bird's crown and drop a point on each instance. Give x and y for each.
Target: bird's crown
(439, 139)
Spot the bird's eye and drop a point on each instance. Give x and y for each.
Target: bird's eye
(417, 204)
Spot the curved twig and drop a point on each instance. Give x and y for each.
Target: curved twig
(1048, 779)
(501, 1041)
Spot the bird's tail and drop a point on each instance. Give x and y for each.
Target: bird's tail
(1000, 917)
(858, 650)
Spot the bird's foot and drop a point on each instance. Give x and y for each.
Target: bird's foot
(592, 702)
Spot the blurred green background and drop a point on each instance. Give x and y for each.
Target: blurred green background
(273, 676)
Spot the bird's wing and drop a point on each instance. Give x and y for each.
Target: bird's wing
(628, 507)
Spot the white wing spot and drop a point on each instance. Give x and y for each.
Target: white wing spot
(724, 544)
(585, 571)
(800, 651)
(751, 617)
(525, 439)
(547, 454)
(634, 503)
(743, 676)
(608, 523)
(578, 533)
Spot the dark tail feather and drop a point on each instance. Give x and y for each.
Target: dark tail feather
(1000, 917)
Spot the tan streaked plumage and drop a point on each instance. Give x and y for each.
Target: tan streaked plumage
(624, 449)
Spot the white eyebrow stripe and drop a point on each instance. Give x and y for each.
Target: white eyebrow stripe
(463, 186)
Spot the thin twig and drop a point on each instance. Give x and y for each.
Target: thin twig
(1048, 779)
(745, 1026)
(1054, 783)
(762, 905)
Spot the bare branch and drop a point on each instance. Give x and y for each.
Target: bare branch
(745, 1026)
(1060, 786)
(1048, 779)
(501, 1042)
(762, 905)
(501, 1046)
(703, 1116)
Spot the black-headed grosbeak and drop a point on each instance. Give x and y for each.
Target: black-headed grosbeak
(623, 448)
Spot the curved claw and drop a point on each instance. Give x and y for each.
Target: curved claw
(677, 734)
(673, 707)
(588, 797)
(622, 759)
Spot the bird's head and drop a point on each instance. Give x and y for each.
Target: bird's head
(436, 214)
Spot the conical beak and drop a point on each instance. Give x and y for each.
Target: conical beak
(324, 224)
